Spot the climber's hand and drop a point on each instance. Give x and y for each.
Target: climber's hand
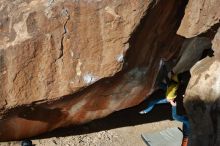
(172, 102)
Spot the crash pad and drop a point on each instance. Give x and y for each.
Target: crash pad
(167, 137)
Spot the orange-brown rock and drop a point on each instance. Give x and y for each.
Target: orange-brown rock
(68, 62)
(200, 16)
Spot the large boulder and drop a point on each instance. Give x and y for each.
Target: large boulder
(202, 99)
(68, 62)
(200, 16)
(54, 48)
(203, 92)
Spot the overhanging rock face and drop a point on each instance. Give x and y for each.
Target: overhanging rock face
(68, 62)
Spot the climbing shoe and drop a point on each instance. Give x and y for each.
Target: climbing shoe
(142, 112)
(185, 141)
(26, 143)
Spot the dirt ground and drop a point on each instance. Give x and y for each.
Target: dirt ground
(123, 128)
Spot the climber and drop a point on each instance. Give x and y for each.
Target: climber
(26, 143)
(161, 82)
(192, 50)
(171, 93)
(180, 112)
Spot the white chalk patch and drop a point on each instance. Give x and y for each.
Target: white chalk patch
(89, 79)
(120, 58)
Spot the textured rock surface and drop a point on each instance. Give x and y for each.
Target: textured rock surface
(200, 16)
(191, 51)
(54, 48)
(68, 62)
(202, 102)
(202, 99)
(203, 91)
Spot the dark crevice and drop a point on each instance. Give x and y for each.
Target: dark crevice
(153, 37)
(210, 33)
(65, 11)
